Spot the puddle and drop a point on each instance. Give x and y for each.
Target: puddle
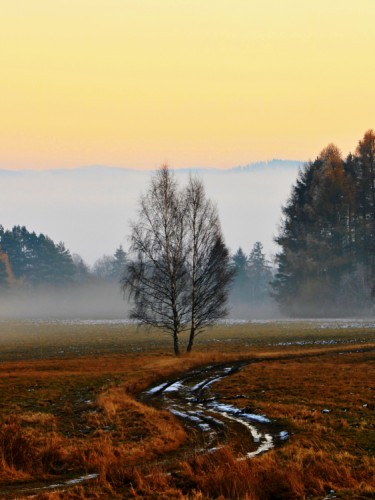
(32, 492)
(192, 399)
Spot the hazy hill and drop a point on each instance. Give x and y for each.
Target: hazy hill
(89, 208)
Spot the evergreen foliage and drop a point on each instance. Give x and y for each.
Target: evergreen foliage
(36, 259)
(111, 267)
(252, 278)
(259, 274)
(326, 265)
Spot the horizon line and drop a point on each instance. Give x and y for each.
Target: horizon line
(177, 169)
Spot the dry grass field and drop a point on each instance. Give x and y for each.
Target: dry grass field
(70, 414)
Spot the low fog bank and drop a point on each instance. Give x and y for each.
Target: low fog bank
(105, 301)
(86, 301)
(309, 311)
(267, 310)
(98, 301)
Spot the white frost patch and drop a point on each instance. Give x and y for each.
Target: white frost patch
(223, 408)
(70, 482)
(157, 388)
(178, 413)
(267, 445)
(198, 386)
(192, 418)
(204, 427)
(81, 479)
(284, 435)
(255, 434)
(214, 420)
(207, 383)
(258, 418)
(174, 387)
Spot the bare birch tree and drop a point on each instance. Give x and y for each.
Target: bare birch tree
(157, 277)
(180, 273)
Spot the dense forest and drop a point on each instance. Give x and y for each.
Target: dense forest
(251, 289)
(326, 265)
(31, 260)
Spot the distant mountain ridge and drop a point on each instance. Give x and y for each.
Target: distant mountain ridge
(251, 167)
(271, 164)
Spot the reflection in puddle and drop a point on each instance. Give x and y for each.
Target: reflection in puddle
(191, 398)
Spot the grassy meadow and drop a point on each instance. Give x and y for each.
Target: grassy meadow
(69, 409)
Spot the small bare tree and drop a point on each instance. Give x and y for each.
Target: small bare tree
(210, 273)
(180, 273)
(157, 277)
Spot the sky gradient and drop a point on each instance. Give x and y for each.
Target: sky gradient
(194, 83)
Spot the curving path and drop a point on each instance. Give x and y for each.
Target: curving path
(192, 399)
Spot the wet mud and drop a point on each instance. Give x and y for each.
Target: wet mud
(192, 398)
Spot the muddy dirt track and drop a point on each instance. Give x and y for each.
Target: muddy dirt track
(191, 398)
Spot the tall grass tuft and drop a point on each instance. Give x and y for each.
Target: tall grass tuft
(17, 451)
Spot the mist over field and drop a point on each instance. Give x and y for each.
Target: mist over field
(89, 209)
(100, 300)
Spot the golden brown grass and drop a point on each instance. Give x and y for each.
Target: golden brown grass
(68, 407)
(328, 404)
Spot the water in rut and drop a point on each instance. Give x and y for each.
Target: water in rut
(192, 398)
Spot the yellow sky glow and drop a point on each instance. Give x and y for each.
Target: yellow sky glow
(195, 83)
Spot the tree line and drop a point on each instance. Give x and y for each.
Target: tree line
(326, 262)
(30, 260)
(252, 283)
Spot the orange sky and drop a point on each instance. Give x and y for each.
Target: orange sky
(195, 83)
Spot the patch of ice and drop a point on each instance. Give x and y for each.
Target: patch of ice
(157, 388)
(178, 413)
(204, 427)
(267, 445)
(69, 482)
(194, 418)
(206, 383)
(214, 420)
(223, 408)
(185, 416)
(198, 386)
(258, 418)
(173, 387)
(256, 435)
(81, 479)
